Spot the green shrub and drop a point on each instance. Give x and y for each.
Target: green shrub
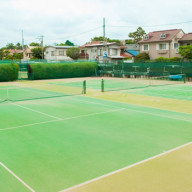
(175, 59)
(161, 59)
(60, 70)
(142, 57)
(8, 72)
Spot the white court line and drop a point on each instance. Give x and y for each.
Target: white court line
(37, 111)
(125, 168)
(138, 111)
(13, 174)
(64, 119)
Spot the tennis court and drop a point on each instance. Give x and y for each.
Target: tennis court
(65, 138)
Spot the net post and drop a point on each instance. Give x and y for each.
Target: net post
(184, 78)
(84, 87)
(7, 95)
(102, 85)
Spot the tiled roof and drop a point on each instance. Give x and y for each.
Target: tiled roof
(186, 37)
(156, 35)
(91, 43)
(15, 51)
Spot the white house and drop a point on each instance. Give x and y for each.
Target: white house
(57, 53)
(101, 51)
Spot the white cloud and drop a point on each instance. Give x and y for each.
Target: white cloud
(59, 20)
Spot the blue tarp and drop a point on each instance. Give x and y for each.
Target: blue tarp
(132, 52)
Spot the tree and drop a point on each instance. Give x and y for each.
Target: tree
(73, 53)
(60, 44)
(37, 53)
(69, 43)
(142, 57)
(34, 44)
(18, 46)
(101, 38)
(10, 46)
(129, 41)
(186, 51)
(137, 35)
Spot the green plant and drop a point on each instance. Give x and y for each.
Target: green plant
(59, 70)
(73, 53)
(161, 59)
(8, 72)
(142, 57)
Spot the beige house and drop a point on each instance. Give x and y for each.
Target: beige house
(162, 43)
(27, 54)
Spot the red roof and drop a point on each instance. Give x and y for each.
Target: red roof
(15, 51)
(186, 37)
(156, 35)
(90, 43)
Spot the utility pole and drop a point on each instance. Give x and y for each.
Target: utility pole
(22, 43)
(104, 38)
(41, 40)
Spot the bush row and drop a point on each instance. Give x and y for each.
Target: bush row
(59, 70)
(8, 72)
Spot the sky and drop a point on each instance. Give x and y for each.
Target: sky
(81, 20)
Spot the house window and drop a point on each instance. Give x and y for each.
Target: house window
(61, 53)
(163, 46)
(47, 52)
(146, 47)
(146, 37)
(52, 53)
(176, 45)
(163, 36)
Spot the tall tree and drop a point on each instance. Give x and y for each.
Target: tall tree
(18, 46)
(34, 44)
(10, 46)
(137, 35)
(101, 38)
(69, 43)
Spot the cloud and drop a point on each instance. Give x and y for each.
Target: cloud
(59, 20)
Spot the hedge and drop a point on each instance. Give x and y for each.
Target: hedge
(60, 70)
(8, 72)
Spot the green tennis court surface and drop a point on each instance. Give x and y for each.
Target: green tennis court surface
(55, 143)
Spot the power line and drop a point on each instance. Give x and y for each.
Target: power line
(152, 25)
(75, 35)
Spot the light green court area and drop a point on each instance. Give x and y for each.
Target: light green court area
(53, 144)
(10, 183)
(180, 92)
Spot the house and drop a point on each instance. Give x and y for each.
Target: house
(104, 51)
(186, 39)
(162, 43)
(83, 49)
(27, 54)
(57, 53)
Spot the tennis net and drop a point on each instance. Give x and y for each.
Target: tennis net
(41, 91)
(140, 82)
